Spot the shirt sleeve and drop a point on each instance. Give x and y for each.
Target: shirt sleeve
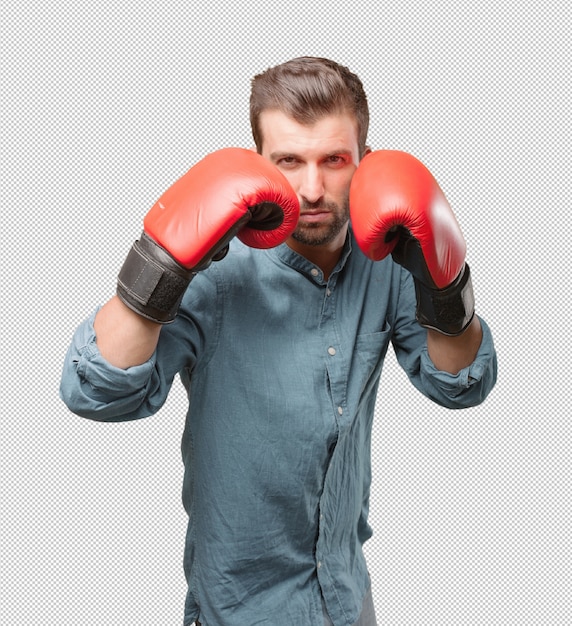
(467, 388)
(471, 385)
(93, 388)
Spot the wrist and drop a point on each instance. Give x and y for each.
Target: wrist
(452, 354)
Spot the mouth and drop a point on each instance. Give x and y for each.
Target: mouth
(314, 215)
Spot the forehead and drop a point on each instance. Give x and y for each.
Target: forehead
(331, 133)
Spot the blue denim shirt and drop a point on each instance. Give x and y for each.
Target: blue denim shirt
(282, 371)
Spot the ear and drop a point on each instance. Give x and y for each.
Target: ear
(366, 151)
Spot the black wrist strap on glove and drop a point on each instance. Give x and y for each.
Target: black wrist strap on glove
(151, 282)
(449, 310)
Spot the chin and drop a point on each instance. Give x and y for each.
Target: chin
(315, 236)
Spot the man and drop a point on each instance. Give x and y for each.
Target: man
(281, 342)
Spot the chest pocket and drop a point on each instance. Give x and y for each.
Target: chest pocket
(370, 350)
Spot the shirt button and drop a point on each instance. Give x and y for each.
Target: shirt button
(340, 410)
(331, 350)
(328, 292)
(319, 564)
(314, 271)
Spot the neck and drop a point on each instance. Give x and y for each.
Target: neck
(323, 256)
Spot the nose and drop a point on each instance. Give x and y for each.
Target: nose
(312, 184)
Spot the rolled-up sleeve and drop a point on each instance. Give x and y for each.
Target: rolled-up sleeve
(93, 388)
(470, 386)
(467, 388)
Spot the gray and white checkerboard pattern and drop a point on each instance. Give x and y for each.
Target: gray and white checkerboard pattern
(104, 106)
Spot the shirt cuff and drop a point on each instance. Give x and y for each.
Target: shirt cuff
(472, 384)
(94, 369)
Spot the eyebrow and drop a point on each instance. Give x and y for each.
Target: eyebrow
(280, 155)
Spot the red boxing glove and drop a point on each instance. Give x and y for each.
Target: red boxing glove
(230, 192)
(397, 207)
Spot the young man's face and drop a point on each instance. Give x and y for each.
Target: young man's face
(319, 161)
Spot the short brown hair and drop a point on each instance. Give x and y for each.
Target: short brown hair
(306, 89)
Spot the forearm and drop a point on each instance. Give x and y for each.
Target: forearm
(452, 354)
(123, 337)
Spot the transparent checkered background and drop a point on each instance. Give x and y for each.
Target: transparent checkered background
(104, 105)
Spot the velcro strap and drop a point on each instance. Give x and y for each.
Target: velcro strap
(151, 282)
(449, 310)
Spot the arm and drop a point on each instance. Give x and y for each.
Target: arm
(124, 338)
(232, 191)
(468, 385)
(399, 209)
(452, 354)
(95, 388)
(116, 367)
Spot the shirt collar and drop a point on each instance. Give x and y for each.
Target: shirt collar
(284, 254)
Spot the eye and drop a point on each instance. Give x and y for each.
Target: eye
(336, 160)
(287, 162)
